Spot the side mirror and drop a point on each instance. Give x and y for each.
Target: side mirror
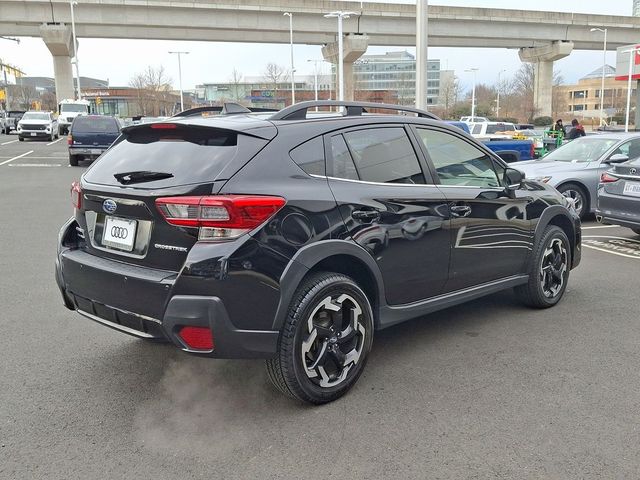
(617, 158)
(513, 178)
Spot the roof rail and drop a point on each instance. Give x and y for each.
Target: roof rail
(228, 108)
(298, 111)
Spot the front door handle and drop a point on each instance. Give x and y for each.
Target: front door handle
(366, 216)
(460, 210)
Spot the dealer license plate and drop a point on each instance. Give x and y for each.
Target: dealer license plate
(95, 151)
(119, 233)
(631, 188)
(33, 134)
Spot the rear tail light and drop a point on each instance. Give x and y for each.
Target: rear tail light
(219, 217)
(197, 338)
(606, 178)
(76, 195)
(69, 140)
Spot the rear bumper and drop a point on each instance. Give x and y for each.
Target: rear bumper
(140, 302)
(87, 151)
(614, 209)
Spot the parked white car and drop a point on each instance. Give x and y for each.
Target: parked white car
(38, 125)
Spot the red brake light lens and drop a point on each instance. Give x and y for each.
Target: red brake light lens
(76, 195)
(220, 217)
(69, 140)
(197, 338)
(164, 126)
(606, 178)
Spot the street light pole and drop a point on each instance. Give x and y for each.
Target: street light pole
(604, 64)
(293, 70)
(422, 57)
(340, 15)
(473, 92)
(180, 77)
(631, 53)
(498, 99)
(75, 49)
(315, 78)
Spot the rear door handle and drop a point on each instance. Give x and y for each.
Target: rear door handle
(460, 210)
(367, 216)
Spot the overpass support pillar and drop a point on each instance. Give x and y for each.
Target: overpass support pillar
(59, 41)
(543, 58)
(353, 47)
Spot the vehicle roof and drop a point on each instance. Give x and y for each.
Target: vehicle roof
(616, 136)
(260, 125)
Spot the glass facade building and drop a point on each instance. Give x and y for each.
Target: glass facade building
(396, 71)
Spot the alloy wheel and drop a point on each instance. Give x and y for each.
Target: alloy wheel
(553, 268)
(335, 338)
(576, 197)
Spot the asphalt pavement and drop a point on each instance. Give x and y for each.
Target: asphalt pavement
(489, 389)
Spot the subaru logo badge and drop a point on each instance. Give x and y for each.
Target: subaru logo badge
(109, 206)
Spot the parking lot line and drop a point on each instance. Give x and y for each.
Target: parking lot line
(7, 143)
(55, 141)
(15, 158)
(34, 165)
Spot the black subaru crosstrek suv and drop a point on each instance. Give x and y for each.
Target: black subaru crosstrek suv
(294, 236)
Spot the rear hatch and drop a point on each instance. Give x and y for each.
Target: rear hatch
(118, 210)
(94, 131)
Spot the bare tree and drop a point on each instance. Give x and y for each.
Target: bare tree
(153, 89)
(523, 83)
(275, 74)
(23, 95)
(236, 81)
(449, 93)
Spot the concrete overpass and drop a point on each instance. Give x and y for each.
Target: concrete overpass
(262, 21)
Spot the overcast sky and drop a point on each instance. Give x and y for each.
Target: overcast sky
(118, 60)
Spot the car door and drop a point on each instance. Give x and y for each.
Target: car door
(391, 208)
(491, 235)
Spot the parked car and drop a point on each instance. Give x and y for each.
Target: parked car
(69, 109)
(90, 136)
(4, 122)
(13, 117)
(619, 194)
(509, 150)
(492, 129)
(473, 119)
(575, 168)
(239, 236)
(38, 125)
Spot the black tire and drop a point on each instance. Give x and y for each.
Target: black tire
(547, 279)
(20, 139)
(73, 160)
(292, 371)
(579, 194)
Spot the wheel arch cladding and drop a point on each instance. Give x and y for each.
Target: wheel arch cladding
(339, 256)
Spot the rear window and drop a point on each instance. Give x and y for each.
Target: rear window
(95, 125)
(191, 155)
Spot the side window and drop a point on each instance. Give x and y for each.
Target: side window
(457, 162)
(310, 156)
(384, 155)
(630, 149)
(477, 129)
(343, 166)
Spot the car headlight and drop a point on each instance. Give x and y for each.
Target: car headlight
(543, 179)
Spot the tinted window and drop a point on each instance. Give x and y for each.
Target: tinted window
(192, 155)
(343, 166)
(310, 156)
(458, 162)
(630, 149)
(384, 155)
(477, 128)
(94, 125)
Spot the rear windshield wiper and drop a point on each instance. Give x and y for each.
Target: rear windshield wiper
(140, 176)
